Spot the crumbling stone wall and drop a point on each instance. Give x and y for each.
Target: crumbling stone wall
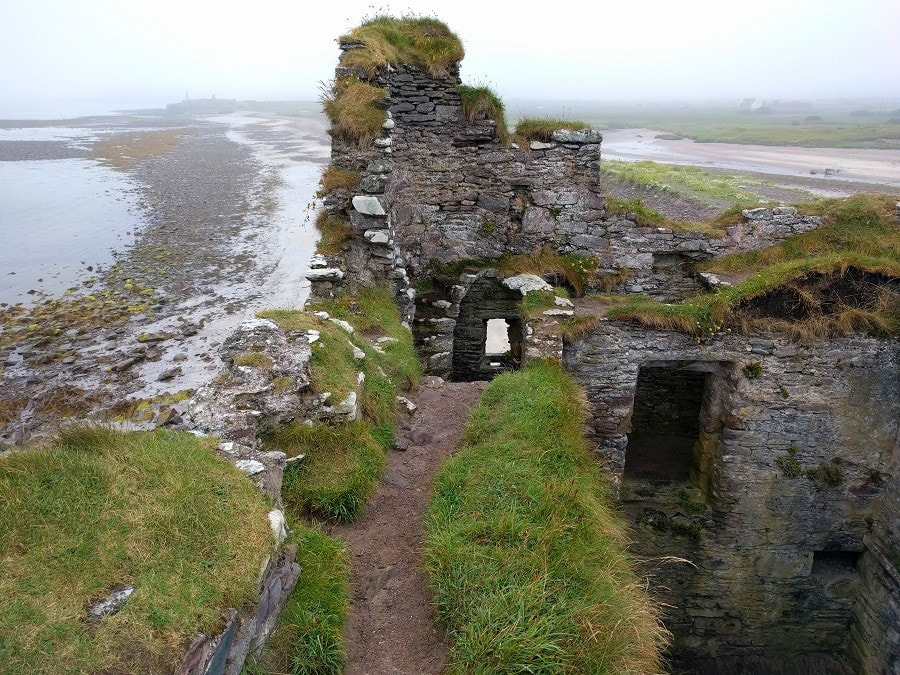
(798, 457)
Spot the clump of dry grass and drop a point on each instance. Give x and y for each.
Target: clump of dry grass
(574, 270)
(353, 108)
(481, 101)
(416, 41)
(533, 129)
(334, 233)
(335, 178)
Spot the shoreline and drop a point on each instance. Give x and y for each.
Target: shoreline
(226, 232)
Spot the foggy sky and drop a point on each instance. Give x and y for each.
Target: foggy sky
(152, 51)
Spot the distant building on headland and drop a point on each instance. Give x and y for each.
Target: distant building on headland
(206, 106)
(748, 104)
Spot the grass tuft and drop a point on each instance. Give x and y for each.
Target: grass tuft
(334, 233)
(482, 101)
(97, 510)
(533, 129)
(572, 269)
(526, 557)
(352, 106)
(423, 42)
(339, 473)
(335, 178)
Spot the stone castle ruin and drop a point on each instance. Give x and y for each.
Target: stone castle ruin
(767, 463)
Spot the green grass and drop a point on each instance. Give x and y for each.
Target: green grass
(416, 41)
(535, 129)
(477, 101)
(344, 461)
(644, 215)
(353, 108)
(694, 182)
(526, 557)
(97, 510)
(340, 472)
(307, 639)
(859, 232)
(533, 304)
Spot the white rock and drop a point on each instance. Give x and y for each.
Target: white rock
(406, 403)
(368, 205)
(442, 304)
(388, 124)
(253, 324)
(278, 525)
(537, 145)
(582, 137)
(322, 315)
(343, 324)
(326, 274)
(358, 353)
(318, 261)
(347, 407)
(110, 605)
(526, 283)
(250, 466)
(562, 302)
(377, 236)
(384, 340)
(297, 458)
(383, 142)
(313, 336)
(558, 312)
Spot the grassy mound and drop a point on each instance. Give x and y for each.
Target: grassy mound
(478, 101)
(416, 41)
(307, 639)
(838, 279)
(571, 269)
(99, 510)
(342, 465)
(526, 558)
(533, 129)
(352, 106)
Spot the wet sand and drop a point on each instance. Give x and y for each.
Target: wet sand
(875, 168)
(224, 230)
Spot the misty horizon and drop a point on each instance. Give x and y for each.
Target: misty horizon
(144, 53)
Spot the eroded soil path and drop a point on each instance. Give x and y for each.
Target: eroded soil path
(391, 627)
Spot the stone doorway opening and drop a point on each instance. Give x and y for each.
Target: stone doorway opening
(489, 335)
(676, 423)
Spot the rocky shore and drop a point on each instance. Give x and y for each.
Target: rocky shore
(226, 232)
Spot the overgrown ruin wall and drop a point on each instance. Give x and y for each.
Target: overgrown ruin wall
(786, 514)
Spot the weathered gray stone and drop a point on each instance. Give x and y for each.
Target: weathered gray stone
(368, 205)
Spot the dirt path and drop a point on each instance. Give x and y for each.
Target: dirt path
(391, 627)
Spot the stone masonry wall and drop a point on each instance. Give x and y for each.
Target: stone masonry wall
(794, 461)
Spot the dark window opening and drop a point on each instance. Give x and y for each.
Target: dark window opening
(489, 336)
(834, 563)
(665, 424)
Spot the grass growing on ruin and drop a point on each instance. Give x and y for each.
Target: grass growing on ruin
(334, 233)
(858, 235)
(526, 557)
(98, 510)
(416, 41)
(477, 101)
(344, 461)
(694, 182)
(335, 178)
(307, 639)
(352, 106)
(571, 269)
(339, 473)
(536, 302)
(534, 129)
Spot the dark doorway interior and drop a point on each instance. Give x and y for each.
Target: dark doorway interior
(665, 424)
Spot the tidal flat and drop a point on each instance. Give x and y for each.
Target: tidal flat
(144, 241)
